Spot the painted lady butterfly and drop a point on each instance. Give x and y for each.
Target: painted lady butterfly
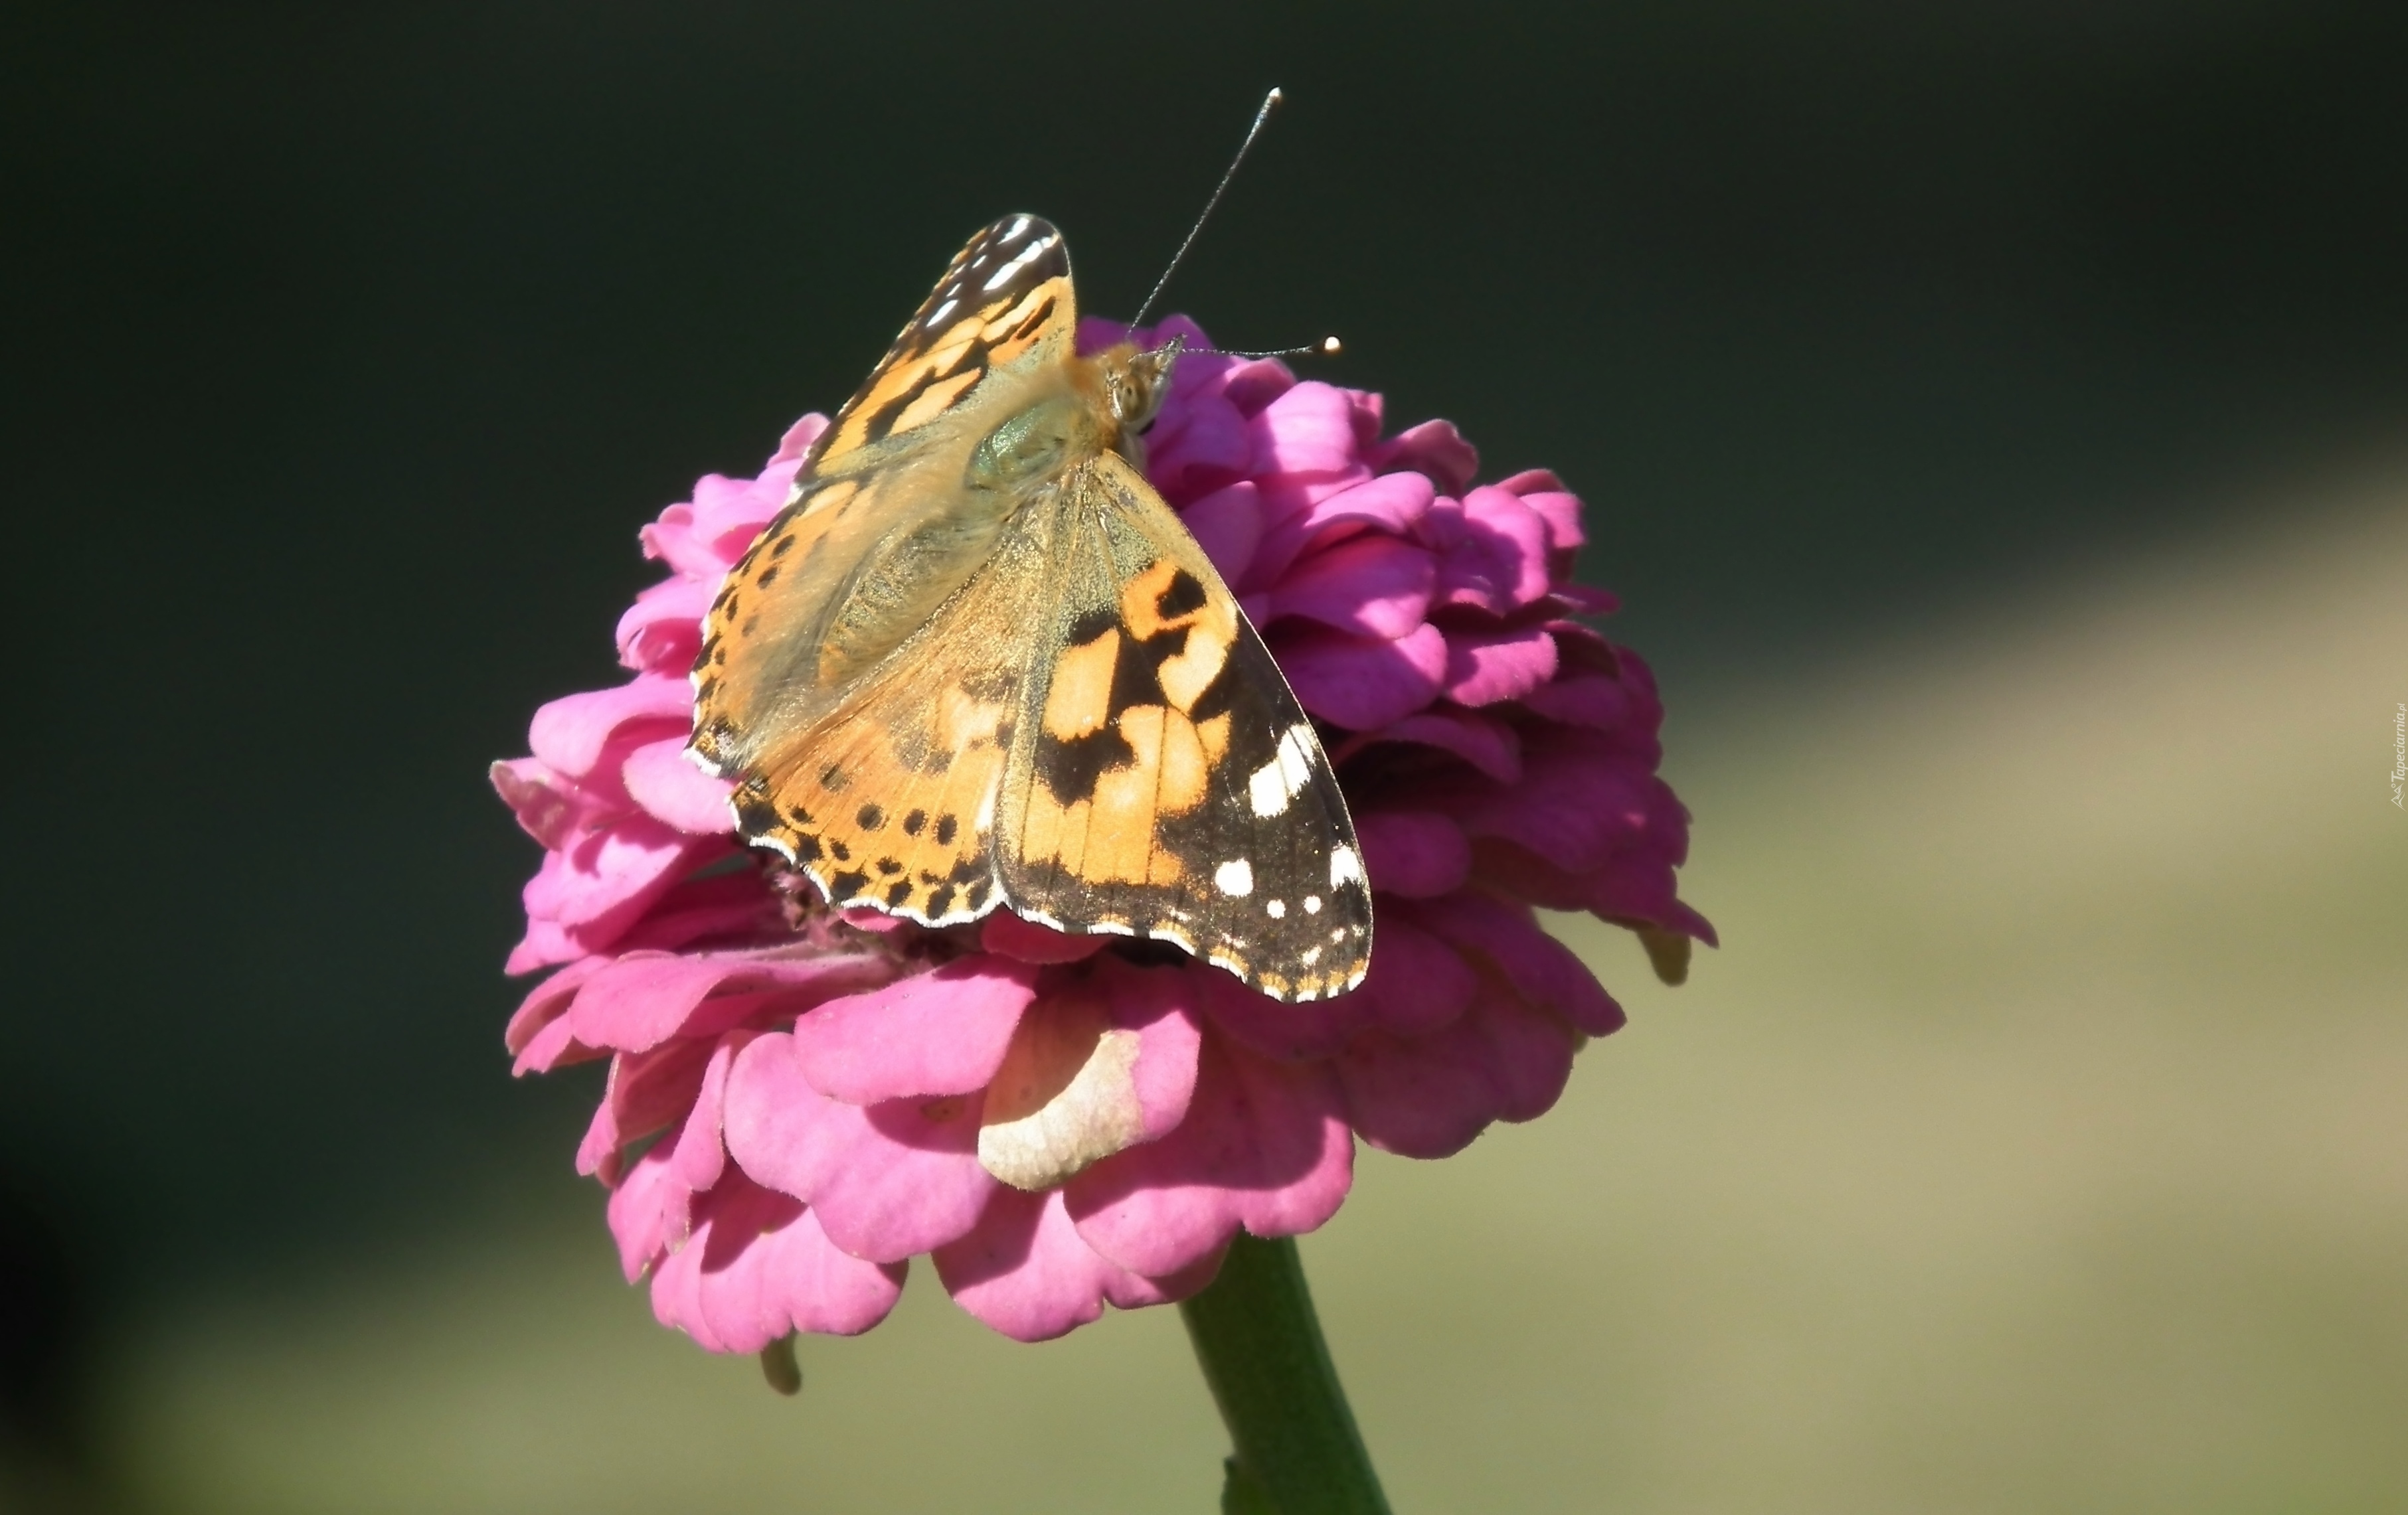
(977, 662)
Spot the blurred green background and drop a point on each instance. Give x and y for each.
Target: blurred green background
(1990, 413)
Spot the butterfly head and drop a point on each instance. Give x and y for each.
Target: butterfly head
(1135, 382)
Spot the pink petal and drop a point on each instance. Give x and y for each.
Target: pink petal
(1285, 1033)
(644, 998)
(1591, 700)
(1436, 449)
(664, 780)
(570, 733)
(662, 631)
(1008, 935)
(1209, 446)
(1228, 524)
(1544, 970)
(1484, 668)
(1493, 550)
(1429, 1096)
(1026, 1272)
(1376, 586)
(1417, 983)
(1309, 430)
(939, 1033)
(546, 1003)
(1358, 682)
(1417, 853)
(1263, 1145)
(1483, 741)
(596, 888)
(646, 1091)
(648, 1213)
(1300, 520)
(759, 1268)
(551, 807)
(699, 1156)
(886, 1181)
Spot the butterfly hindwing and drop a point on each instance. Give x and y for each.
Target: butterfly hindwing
(1164, 781)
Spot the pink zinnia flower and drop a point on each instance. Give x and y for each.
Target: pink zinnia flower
(1058, 1125)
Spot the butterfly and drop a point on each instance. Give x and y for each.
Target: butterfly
(977, 662)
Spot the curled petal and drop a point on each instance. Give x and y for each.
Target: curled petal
(1096, 1067)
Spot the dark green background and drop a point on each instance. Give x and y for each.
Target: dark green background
(348, 348)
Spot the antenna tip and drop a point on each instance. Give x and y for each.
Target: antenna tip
(1330, 346)
(1274, 98)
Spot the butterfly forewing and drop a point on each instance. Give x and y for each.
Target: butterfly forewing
(998, 308)
(888, 466)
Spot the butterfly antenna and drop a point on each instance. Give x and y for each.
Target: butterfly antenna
(1271, 101)
(1326, 348)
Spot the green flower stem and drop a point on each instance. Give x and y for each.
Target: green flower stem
(1297, 1451)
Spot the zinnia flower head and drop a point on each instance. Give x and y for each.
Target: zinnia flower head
(1058, 1122)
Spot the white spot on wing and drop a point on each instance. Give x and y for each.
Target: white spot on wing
(1278, 909)
(1026, 255)
(1276, 782)
(1235, 876)
(1313, 904)
(943, 312)
(1344, 864)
